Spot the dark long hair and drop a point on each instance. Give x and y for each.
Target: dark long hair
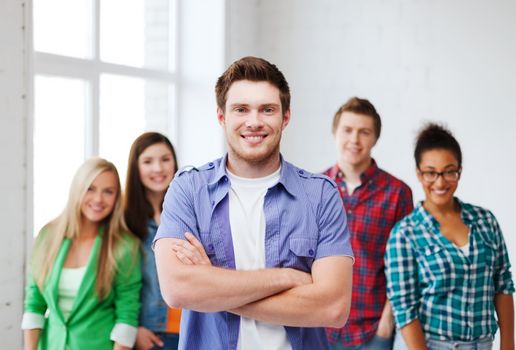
(137, 208)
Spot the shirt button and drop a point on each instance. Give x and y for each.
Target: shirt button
(301, 172)
(210, 247)
(211, 164)
(225, 179)
(311, 252)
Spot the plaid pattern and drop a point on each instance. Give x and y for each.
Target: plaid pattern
(373, 209)
(430, 279)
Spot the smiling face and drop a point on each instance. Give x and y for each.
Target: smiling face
(100, 197)
(354, 138)
(156, 168)
(438, 193)
(253, 124)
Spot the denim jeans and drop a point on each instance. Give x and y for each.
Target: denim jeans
(377, 343)
(483, 344)
(433, 344)
(170, 341)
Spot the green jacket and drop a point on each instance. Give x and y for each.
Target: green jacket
(91, 320)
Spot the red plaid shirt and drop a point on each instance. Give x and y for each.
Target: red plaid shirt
(372, 210)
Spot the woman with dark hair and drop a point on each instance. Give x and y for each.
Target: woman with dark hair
(447, 265)
(152, 165)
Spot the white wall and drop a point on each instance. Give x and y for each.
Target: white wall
(417, 61)
(451, 61)
(13, 177)
(447, 61)
(201, 57)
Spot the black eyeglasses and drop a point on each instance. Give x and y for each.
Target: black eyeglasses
(448, 175)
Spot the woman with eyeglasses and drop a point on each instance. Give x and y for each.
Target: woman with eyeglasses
(448, 271)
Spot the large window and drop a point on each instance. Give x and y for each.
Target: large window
(104, 72)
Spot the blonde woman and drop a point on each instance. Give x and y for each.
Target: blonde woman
(83, 292)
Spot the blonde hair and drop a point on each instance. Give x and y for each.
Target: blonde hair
(67, 225)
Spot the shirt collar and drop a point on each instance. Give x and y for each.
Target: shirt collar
(288, 174)
(336, 174)
(152, 224)
(466, 215)
(220, 169)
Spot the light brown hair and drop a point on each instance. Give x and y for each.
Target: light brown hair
(359, 106)
(253, 69)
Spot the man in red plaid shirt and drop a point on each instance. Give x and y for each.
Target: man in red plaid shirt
(374, 201)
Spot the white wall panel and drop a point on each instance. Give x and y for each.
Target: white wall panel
(417, 61)
(13, 167)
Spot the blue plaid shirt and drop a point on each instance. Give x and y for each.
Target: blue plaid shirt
(304, 222)
(430, 279)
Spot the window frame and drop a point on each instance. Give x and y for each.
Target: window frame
(90, 70)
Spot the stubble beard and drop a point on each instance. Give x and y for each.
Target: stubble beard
(257, 159)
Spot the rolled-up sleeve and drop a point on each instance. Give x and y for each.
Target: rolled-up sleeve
(178, 215)
(503, 281)
(32, 320)
(334, 238)
(124, 334)
(402, 277)
(35, 307)
(128, 282)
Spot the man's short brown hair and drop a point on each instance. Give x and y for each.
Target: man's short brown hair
(253, 69)
(359, 106)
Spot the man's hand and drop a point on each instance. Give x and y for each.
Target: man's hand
(146, 339)
(191, 251)
(223, 288)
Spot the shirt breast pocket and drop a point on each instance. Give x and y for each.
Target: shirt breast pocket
(488, 254)
(213, 247)
(302, 253)
(438, 270)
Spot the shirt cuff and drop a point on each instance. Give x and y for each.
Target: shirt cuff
(32, 320)
(404, 317)
(124, 334)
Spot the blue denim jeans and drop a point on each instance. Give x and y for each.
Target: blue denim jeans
(432, 344)
(170, 341)
(377, 343)
(483, 344)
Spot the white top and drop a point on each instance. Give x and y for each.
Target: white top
(247, 220)
(465, 247)
(68, 288)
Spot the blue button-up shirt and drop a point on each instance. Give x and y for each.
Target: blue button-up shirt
(304, 222)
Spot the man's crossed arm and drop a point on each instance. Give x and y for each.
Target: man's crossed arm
(282, 296)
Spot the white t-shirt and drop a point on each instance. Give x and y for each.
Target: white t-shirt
(247, 220)
(465, 247)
